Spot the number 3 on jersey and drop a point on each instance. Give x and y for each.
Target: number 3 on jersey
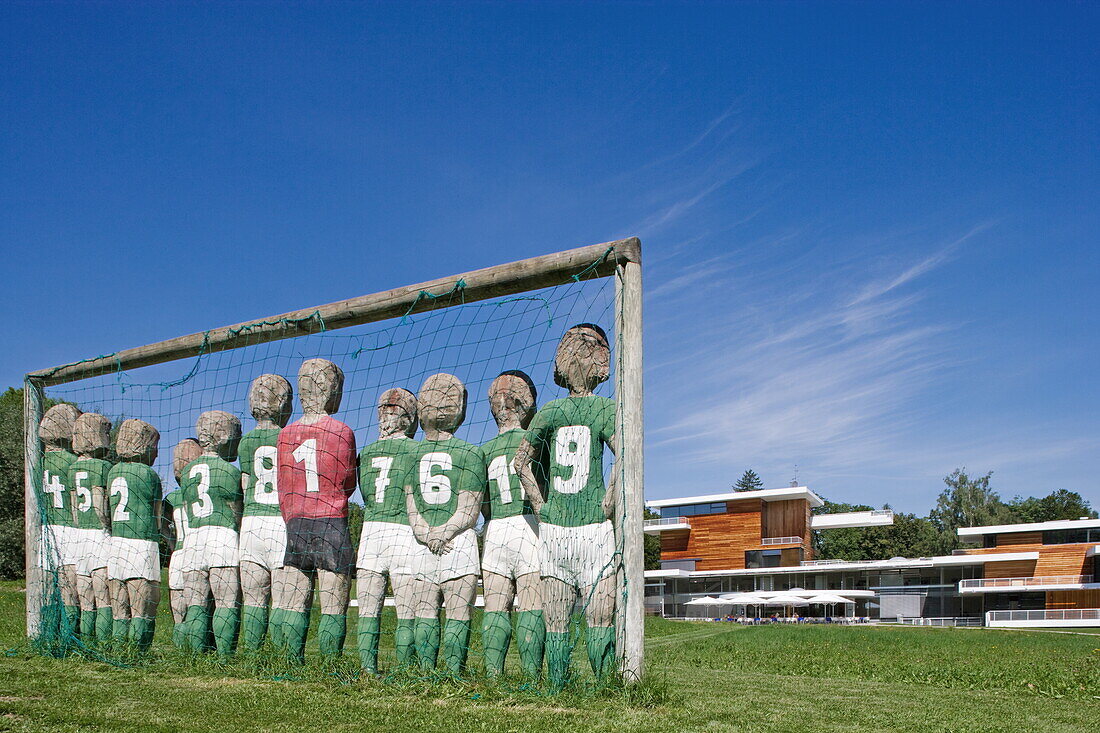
(573, 449)
(204, 507)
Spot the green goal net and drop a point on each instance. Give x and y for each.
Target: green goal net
(432, 482)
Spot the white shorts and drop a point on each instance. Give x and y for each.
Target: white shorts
(460, 560)
(580, 556)
(56, 547)
(387, 547)
(209, 547)
(128, 559)
(91, 550)
(263, 541)
(175, 575)
(511, 546)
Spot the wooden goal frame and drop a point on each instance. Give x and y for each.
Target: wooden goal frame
(620, 259)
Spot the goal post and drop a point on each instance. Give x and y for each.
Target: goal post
(620, 259)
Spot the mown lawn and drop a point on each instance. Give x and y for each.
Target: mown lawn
(702, 677)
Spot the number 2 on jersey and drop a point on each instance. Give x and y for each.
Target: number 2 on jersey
(307, 453)
(120, 487)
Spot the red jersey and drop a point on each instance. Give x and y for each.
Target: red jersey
(316, 469)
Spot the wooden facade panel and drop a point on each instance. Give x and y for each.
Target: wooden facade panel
(785, 518)
(718, 541)
(1014, 569)
(1070, 559)
(1073, 599)
(1063, 560)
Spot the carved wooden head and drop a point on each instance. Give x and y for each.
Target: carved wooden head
(56, 426)
(91, 435)
(512, 398)
(320, 386)
(397, 413)
(583, 360)
(270, 397)
(219, 432)
(185, 451)
(137, 441)
(442, 402)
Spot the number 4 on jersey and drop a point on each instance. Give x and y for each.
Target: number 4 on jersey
(51, 484)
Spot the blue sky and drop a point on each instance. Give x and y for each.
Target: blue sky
(870, 230)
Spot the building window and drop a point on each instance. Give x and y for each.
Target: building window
(989, 540)
(1067, 536)
(691, 510)
(762, 558)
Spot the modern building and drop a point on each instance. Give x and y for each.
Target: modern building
(717, 546)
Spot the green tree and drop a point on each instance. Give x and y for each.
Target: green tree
(749, 481)
(1058, 504)
(11, 484)
(652, 545)
(908, 536)
(12, 544)
(966, 502)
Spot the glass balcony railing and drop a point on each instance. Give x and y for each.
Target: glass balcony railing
(664, 522)
(1042, 580)
(1050, 614)
(780, 541)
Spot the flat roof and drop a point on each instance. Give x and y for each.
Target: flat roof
(1031, 527)
(825, 567)
(784, 494)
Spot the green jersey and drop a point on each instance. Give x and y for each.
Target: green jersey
(442, 469)
(571, 434)
(384, 469)
(57, 503)
(84, 475)
(209, 486)
(261, 472)
(133, 489)
(174, 500)
(505, 497)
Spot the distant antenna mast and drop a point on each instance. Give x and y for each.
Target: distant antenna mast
(794, 481)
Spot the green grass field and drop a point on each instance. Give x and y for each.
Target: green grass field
(703, 676)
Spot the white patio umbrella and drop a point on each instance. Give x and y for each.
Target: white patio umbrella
(787, 601)
(745, 599)
(708, 601)
(829, 599)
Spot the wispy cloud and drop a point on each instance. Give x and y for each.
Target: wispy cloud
(882, 287)
(828, 373)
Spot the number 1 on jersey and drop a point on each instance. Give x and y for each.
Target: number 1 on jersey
(51, 484)
(502, 470)
(307, 453)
